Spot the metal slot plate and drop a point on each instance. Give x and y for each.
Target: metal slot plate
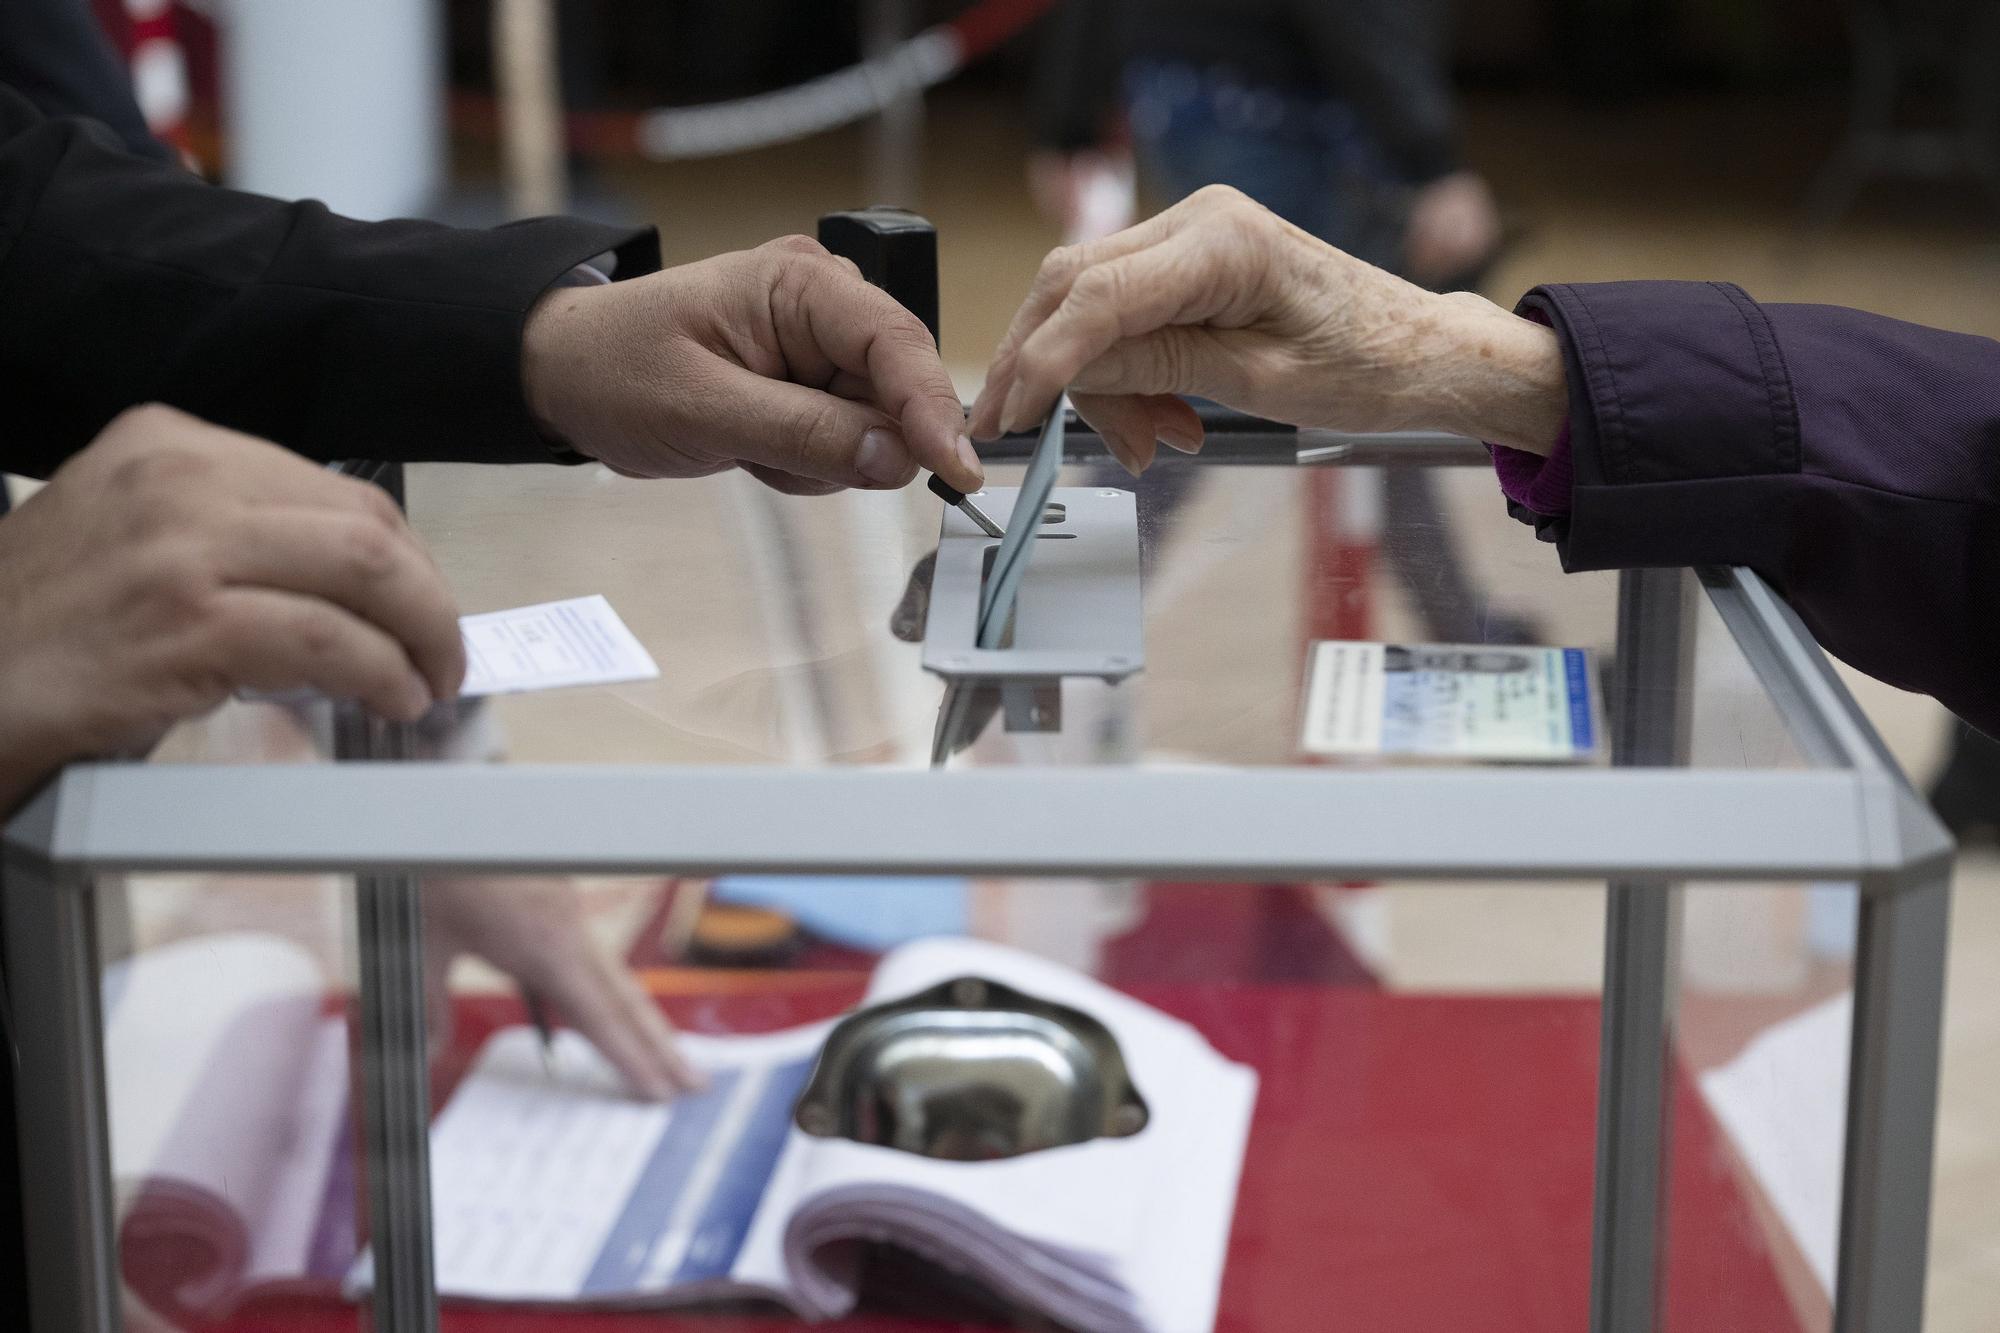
(1078, 612)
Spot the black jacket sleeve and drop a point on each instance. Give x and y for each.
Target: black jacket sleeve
(1852, 460)
(124, 281)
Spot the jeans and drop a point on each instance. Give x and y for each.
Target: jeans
(1306, 156)
(1302, 154)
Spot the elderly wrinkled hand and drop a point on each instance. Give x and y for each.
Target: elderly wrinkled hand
(780, 360)
(1218, 297)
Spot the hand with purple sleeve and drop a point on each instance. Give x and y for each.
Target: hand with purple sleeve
(1217, 296)
(1852, 460)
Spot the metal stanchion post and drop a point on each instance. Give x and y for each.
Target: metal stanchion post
(534, 140)
(896, 141)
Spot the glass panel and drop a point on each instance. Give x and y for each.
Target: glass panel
(296, 731)
(1759, 1105)
(1732, 722)
(787, 631)
(1416, 1153)
(228, 1004)
(1398, 1034)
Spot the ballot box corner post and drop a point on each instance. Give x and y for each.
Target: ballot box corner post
(1902, 940)
(1641, 961)
(1892, 1089)
(395, 1078)
(54, 1004)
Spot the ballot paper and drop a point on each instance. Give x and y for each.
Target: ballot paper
(1451, 701)
(547, 646)
(544, 647)
(554, 1187)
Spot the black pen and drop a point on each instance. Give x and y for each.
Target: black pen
(538, 1014)
(951, 495)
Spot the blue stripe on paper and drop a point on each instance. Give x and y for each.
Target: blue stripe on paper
(658, 1189)
(725, 1219)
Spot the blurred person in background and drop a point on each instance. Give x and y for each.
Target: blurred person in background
(1337, 115)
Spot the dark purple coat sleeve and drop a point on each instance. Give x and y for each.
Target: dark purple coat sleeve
(1851, 460)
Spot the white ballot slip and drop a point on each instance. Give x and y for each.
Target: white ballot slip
(562, 1190)
(1451, 701)
(548, 646)
(576, 642)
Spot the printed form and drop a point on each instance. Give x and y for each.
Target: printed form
(568, 1189)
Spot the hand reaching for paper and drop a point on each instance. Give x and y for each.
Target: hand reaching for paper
(780, 360)
(1220, 298)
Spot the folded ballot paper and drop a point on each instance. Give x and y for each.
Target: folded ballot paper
(551, 1186)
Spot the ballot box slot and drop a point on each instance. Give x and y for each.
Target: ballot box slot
(1078, 611)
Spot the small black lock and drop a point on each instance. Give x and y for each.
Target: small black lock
(895, 250)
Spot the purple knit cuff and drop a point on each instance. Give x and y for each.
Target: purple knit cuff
(1539, 485)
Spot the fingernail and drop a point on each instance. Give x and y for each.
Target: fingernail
(416, 698)
(882, 458)
(970, 457)
(1010, 407)
(1181, 439)
(1121, 451)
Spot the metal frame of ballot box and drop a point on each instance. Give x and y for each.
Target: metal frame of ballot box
(1644, 827)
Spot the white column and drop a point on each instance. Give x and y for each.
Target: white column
(339, 100)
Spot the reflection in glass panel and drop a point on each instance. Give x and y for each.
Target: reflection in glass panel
(1758, 1108)
(1314, 1119)
(226, 1038)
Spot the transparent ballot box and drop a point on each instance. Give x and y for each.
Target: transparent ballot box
(816, 978)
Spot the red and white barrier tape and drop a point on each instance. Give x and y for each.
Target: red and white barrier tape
(159, 71)
(836, 99)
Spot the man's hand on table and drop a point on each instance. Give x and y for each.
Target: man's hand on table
(173, 562)
(780, 360)
(1220, 298)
